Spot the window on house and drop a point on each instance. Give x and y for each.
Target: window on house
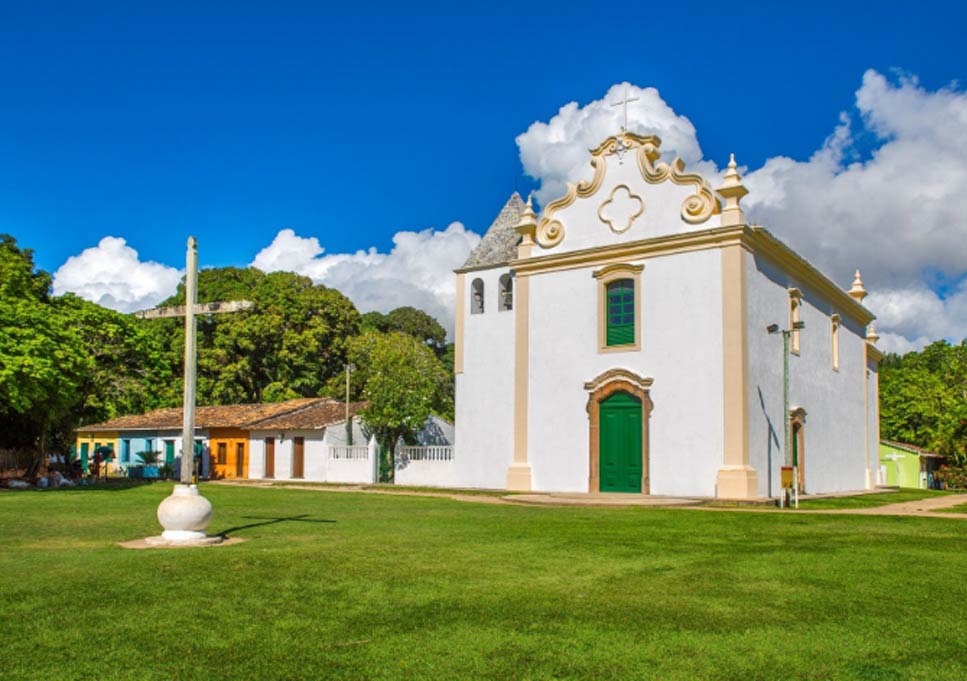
(477, 297)
(795, 316)
(834, 332)
(506, 301)
(619, 308)
(125, 451)
(621, 312)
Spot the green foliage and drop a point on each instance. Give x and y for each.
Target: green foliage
(289, 345)
(953, 477)
(65, 361)
(923, 399)
(402, 381)
(410, 321)
(149, 457)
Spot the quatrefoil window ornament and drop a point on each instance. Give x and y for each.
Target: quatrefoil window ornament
(621, 209)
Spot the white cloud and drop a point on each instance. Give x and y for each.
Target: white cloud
(898, 214)
(556, 152)
(417, 271)
(112, 275)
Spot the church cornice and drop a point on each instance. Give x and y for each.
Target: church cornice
(752, 238)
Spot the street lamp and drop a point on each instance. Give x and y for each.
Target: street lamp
(349, 426)
(786, 335)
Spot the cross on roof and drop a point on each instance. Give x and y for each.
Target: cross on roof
(624, 103)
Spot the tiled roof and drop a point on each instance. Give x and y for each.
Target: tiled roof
(313, 417)
(913, 449)
(499, 244)
(224, 416)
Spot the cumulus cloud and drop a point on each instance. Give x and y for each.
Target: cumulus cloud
(556, 152)
(896, 212)
(417, 271)
(111, 274)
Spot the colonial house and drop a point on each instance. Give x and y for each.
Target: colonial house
(631, 339)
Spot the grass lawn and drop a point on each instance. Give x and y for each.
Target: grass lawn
(873, 500)
(959, 508)
(338, 585)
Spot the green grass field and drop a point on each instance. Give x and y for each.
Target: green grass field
(336, 585)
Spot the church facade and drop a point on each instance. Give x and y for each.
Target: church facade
(630, 339)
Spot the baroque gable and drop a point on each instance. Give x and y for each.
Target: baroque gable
(631, 195)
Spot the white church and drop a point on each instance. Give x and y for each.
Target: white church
(630, 340)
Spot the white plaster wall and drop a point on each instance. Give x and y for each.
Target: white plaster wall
(427, 474)
(256, 453)
(484, 437)
(681, 349)
(873, 422)
(835, 430)
(662, 214)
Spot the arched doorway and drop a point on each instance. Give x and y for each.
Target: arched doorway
(619, 440)
(619, 408)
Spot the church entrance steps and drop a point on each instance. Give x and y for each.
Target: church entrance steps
(602, 499)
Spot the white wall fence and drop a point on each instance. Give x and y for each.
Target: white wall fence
(425, 465)
(351, 463)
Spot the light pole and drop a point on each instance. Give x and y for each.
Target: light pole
(787, 439)
(349, 426)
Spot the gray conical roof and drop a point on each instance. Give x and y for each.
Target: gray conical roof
(499, 244)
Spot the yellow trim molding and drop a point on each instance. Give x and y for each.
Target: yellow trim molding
(600, 389)
(696, 208)
(752, 238)
(605, 276)
(736, 479)
(631, 219)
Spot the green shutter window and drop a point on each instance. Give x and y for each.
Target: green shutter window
(621, 312)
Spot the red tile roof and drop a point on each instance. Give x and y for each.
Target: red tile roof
(312, 417)
(913, 449)
(224, 416)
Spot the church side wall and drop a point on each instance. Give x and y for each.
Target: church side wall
(834, 451)
(484, 438)
(681, 349)
(873, 421)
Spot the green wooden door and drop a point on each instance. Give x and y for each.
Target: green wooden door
(620, 444)
(85, 453)
(169, 451)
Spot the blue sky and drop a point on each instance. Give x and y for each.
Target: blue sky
(232, 121)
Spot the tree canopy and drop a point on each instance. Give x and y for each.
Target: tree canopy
(923, 399)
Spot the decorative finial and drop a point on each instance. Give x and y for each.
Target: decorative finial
(732, 190)
(527, 228)
(871, 335)
(858, 292)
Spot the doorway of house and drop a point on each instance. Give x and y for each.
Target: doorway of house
(620, 444)
(239, 459)
(269, 457)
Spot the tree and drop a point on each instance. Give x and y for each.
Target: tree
(289, 345)
(402, 380)
(923, 399)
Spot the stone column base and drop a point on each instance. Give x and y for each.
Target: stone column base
(737, 482)
(519, 477)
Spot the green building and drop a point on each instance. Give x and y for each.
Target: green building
(903, 465)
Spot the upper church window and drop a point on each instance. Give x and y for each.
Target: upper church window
(506, 301)
(834, 332)
(619, 308)
(621, 312)
(477, 297)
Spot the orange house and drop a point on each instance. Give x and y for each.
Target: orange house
(229, 452)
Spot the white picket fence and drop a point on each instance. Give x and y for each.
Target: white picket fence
(426, 453)
(349, 452)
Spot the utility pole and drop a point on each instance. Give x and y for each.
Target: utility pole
(786, 432)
